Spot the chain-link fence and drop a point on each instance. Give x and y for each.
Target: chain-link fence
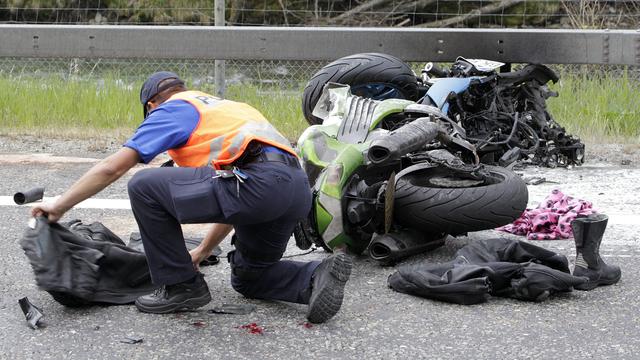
(293, 75)
(286, 75)
(283, 75)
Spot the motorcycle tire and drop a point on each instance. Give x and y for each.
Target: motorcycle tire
(392, 75)
(433, 208)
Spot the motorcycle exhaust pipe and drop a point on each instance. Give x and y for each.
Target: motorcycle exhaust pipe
(408, 138)
(31, 195)
(389, 248)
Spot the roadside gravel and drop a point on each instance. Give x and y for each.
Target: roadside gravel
(615, 154)
(93, 148)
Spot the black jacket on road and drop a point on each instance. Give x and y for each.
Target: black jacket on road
(82, 264)
(498, 267)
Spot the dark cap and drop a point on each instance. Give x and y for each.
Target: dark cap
(151, 87)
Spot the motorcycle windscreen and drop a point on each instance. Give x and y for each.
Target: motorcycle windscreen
(483, 65)
(331, 104)
(441, 88)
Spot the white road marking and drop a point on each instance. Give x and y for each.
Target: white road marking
(42, 158)
(87, 204)
(45, 158)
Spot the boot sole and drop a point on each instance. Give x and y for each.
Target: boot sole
(188, 304)
(329, 301)
(590, 285)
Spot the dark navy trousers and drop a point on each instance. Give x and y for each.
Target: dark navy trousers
(263, 211)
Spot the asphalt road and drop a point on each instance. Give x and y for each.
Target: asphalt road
(375, 322)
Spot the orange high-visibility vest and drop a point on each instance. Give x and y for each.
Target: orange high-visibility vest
(224, 130)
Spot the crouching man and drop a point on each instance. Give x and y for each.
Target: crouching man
(235, 171)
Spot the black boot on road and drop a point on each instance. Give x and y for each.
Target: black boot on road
(188, 295)
(588, 232)
(327, 289)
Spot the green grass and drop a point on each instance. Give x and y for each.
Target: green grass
(603, 108)
(283, 108)
(75, 108)
(110, 107)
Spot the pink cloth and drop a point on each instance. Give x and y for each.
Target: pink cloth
(551, 219)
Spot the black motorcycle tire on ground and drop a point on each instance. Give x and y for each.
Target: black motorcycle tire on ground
(360, 69)
(457, 211)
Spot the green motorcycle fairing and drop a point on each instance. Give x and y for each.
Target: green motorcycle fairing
(330, 161)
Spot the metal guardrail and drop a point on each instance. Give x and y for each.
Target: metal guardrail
(620, 47)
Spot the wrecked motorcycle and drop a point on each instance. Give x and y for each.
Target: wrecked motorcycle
(503, 113)
(396, 177)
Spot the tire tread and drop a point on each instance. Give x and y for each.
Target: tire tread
(359, 69)
(461, 210)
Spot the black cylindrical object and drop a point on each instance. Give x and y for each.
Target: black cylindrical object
(403, 140)
(394, 246)
(31, 195)
(435, 70)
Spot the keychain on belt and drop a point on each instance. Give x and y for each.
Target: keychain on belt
(234, 173)
(240, 178)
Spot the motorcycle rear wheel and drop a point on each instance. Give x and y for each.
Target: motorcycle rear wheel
(373, 75)
(432, 201)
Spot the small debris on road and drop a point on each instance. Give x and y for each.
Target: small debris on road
(132, 340)
(534, 180)
(236, 309)
(32, 313)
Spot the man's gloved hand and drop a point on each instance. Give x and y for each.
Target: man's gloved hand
(52, 211)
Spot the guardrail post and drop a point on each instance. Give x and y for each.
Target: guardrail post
(219, 65)
(638, 47)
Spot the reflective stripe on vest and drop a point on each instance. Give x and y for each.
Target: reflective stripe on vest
(224, 130)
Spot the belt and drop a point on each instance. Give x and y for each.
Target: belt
(265, 155)
(278, 157)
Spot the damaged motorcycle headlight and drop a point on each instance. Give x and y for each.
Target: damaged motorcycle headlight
(334, 174)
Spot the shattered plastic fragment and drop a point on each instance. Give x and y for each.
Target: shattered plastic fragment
(135, 242)
(32, 313)
(236, 309)
(132, 340)
(253, 328)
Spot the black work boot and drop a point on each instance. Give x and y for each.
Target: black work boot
(188, 295)
(587, 232)
(327, 287)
